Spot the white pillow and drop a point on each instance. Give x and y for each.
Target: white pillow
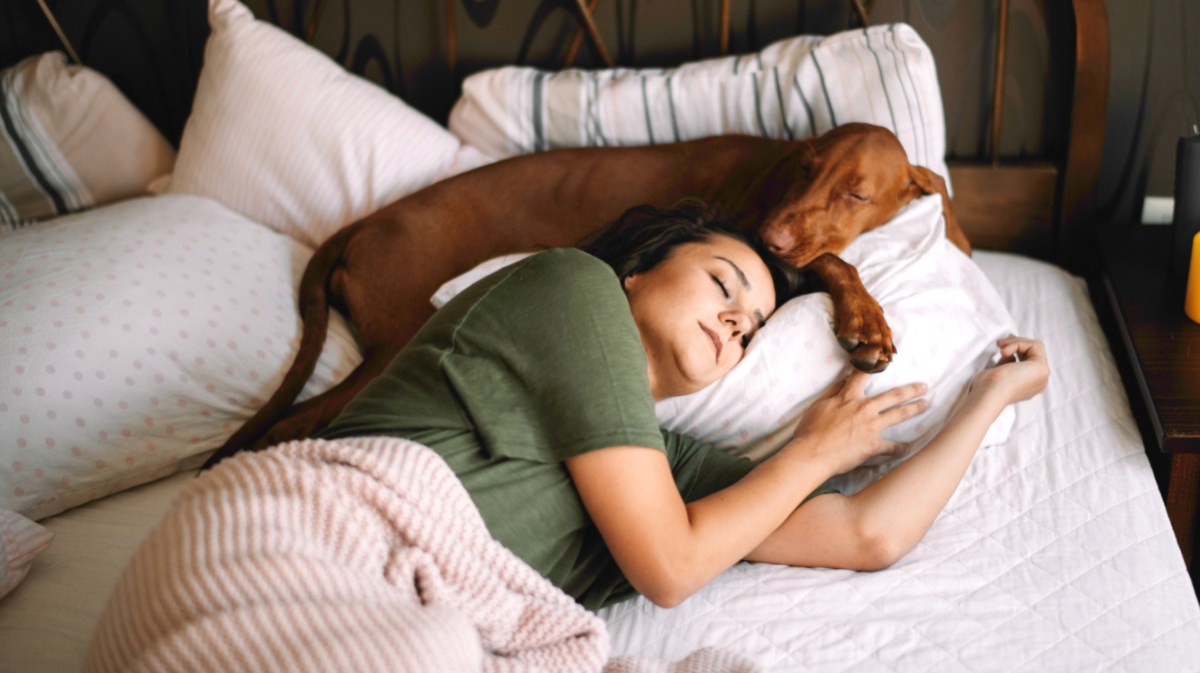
(136, 337)
(72, 140)
(21, 540)
(944, 314)
(796, 88)
(285, 136)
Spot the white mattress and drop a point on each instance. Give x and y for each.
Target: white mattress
(1054, 554)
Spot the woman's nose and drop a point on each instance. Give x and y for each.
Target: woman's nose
(738, 322)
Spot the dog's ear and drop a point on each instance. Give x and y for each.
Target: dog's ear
(924, 181)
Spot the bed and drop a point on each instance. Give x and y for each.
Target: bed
(145, 318)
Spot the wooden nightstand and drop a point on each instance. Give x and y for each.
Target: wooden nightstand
(1158, 350)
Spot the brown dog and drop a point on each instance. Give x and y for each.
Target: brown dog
(807, 198)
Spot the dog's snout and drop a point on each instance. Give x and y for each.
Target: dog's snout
(777, 240)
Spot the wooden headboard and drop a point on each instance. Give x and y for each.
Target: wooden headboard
(1030, 196)
(1042, 207)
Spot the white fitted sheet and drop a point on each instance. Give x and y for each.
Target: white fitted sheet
(1054, 554)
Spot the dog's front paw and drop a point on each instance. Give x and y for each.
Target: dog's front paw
(863, 331)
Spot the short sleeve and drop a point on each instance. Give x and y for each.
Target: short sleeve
(548, 364)
(700, 468)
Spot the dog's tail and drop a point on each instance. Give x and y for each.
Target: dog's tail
(314, 316)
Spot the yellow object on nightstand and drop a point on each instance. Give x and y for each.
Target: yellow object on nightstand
(1191, 303)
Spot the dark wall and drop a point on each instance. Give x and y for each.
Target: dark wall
(153, 50)
(1154, 98)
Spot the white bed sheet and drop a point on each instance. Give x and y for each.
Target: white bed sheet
(1054, 554)
(47, 621)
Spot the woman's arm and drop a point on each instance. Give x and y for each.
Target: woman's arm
(668, 549)
(875, 527)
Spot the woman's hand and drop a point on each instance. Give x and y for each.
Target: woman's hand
(843, 426)
(1022, 372)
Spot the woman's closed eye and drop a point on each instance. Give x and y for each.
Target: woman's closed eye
(721, 284)
(745, 340)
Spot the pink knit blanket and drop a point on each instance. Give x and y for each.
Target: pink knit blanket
(354, 555)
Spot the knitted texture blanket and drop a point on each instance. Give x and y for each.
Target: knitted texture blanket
(364, 554)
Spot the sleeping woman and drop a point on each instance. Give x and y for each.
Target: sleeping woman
(537, 386)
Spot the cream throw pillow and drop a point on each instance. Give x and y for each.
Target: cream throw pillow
(69, 140)
(285, 136)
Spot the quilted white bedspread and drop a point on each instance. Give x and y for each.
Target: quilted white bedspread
(1055, 553)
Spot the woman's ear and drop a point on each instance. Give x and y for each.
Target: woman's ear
(629, 281)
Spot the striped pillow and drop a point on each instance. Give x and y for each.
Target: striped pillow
(795, 88)
(21, 540)
(70, 140)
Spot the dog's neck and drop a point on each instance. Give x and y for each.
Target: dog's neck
(758, 181)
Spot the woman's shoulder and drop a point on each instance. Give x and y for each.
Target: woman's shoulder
(564, 272)
(571, 262)
(556, 287)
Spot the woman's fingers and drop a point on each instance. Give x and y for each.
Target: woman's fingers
(890, 448)
(902, 412)
(1023, 370)
(898, 395)
(857, 383)
(1021, 346)
(852, 385)
(1031, 349)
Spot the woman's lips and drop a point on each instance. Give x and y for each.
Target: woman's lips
(715, 341)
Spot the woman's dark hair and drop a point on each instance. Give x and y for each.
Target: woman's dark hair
(645, 236)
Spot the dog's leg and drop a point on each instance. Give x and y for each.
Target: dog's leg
(861, 326)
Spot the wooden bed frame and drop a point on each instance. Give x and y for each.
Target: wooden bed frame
(1040, 208)
(1043, 208)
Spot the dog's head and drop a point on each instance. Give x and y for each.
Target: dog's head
(851, 179)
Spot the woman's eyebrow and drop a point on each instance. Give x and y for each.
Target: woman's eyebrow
(758, 316)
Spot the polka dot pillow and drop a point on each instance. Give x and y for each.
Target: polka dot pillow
(134, 338)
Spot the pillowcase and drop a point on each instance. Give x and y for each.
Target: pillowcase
(134, 338)
(795, 88)
(285, 136)
(945, 318)
(69, 139)
(21, 540)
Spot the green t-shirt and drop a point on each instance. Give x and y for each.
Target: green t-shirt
(536, 363)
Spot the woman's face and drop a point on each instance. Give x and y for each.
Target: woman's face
(697, 310)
